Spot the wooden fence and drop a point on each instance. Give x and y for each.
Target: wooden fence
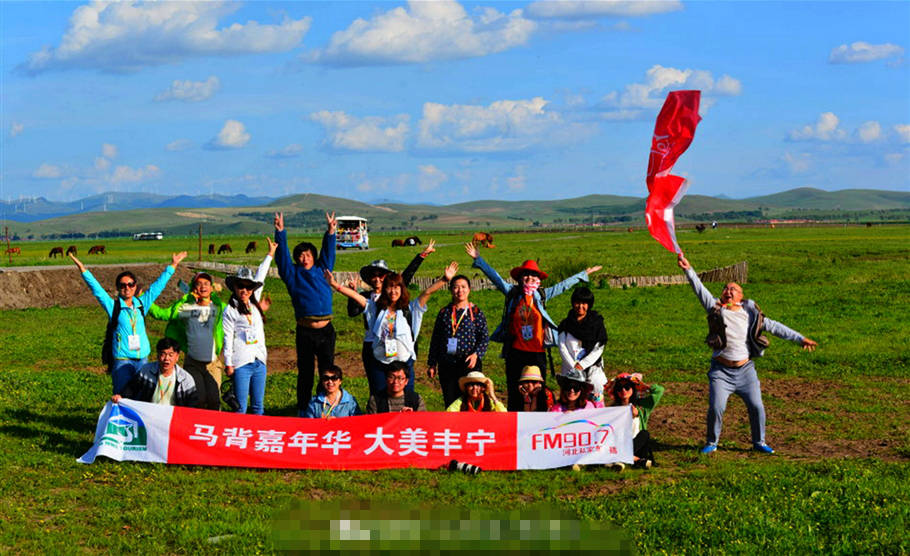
(735, 273)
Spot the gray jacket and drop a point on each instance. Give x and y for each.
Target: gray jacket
(709, 302)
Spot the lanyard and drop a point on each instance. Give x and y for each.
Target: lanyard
(328, 408)
(455, 325)
(471, 408)
(162, 392)
(525, 310)
(390, 317)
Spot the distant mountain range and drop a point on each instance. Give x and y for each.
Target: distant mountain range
(39, 208)
(117, 214)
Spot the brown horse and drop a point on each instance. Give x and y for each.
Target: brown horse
(71, 249)
(483, 238)
(211, 248)
(54, 252)
(97, 250)
(397, 243)
(251, 247)
(13, 251)
(225, 248)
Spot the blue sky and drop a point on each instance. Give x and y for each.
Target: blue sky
(446, 102)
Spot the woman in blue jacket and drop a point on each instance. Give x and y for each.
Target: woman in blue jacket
(126, 318)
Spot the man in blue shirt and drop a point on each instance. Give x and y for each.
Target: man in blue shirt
(312, 299)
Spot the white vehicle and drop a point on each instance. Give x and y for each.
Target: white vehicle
(352, 233)
(148, 236)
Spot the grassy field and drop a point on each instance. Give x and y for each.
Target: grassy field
(838, 417)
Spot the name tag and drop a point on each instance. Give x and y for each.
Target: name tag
(452, 346)
(250, 337)
(133, 342)
(391, 347)
(527, 332)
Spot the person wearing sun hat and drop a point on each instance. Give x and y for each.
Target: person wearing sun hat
(526, 330)
(534, 391)
(628, 389)
(244, 340)
(195, 322)
(478, 394)
(574, 392)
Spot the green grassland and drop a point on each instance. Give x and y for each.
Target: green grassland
(846, 287)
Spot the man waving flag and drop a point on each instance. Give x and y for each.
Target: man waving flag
(673, 132)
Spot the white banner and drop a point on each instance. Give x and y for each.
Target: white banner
(587, 436)
(133, 431)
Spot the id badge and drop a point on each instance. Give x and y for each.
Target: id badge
(581, 354)
(249, 336)
(527, 332)
(391, 347)
(133, 343)
(452, 346)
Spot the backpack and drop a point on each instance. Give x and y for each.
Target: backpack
(107, 347)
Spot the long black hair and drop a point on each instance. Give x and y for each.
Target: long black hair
(242, 308)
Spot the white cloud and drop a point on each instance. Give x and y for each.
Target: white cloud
(373, 133)
(519, 181)
(860, 52)
(128, 36)
(430, 178)
(178, 145)
(573, 9)
(799, 163)
(424, 32)
(102, 163)
(109, 151)
(126, 174)
(504, 125)
(290, 151)
(15, 129)
(903, 132)
(827, 128)
(190, 91)
(232, 136)
(639, 99)
(869, 132)
(47, 171)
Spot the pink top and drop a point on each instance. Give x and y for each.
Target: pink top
(558, 407)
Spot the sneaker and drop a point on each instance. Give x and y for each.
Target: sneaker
(576, 467)
(643, 464)
(709, 448)
(763, 448)
(619, 467)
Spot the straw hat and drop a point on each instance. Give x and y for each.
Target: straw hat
(528, 266)
(531, 373)
(477, 376)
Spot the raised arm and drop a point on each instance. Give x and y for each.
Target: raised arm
(408, 274)
(561, 287)
(494, 276)
(438, 284)
(344, 290)
(282, 255)
(327, 254)
(707, 300)
(77, 261)
(263, 271)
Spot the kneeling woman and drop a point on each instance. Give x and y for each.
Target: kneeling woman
(244, 340)
(393, 323)
(477, 394)
(574, 392)
(628, 389)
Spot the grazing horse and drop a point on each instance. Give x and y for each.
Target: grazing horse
(211, 248)
(701, 227)
(225, 248)
(251, 247)
(71, 249)
(97, 250)
(483, 238)
(54, 252)
(413, 240)
(397, 243)
(13, 251)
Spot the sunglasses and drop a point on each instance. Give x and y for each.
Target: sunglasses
(123, 285)
(330, 378)
(248, 287)
(575, 387)
(626, 387)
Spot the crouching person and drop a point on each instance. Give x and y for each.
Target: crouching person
(163, 382)
(331, 399)
(394, 398)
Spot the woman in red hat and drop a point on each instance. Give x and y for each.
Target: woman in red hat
(526, 328)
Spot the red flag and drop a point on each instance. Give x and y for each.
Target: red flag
(673, 132)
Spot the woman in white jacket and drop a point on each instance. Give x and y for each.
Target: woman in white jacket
(582, 338)
(244, 336)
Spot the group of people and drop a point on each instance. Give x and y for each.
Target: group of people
(204, 326)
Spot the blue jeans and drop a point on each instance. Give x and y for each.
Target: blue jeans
(742, 382)
(249, 382)
(122, 372)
